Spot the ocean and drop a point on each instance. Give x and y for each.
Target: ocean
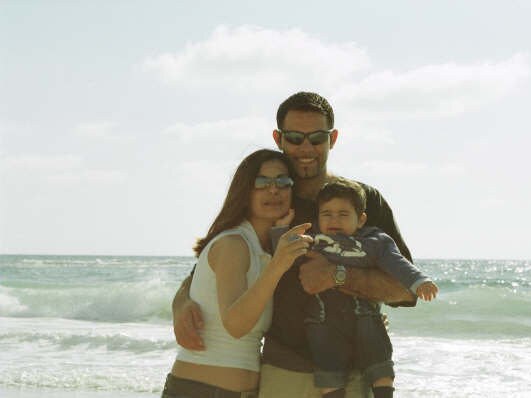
(97, 326)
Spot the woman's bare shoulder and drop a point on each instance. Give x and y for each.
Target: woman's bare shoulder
(233, 247)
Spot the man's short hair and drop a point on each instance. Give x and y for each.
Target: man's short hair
(307, 102)
(344, 189)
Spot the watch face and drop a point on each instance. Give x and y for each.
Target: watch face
(341, 276)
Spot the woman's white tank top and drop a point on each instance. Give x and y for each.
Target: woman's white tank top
(221, 348)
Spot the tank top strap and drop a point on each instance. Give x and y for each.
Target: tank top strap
(247, 232)
(259, 257)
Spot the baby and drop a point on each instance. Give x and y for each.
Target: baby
(345, 332)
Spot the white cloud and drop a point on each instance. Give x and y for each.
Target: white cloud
(259, 62)
(40, 162)
(376, 136)
(241, 129)
(491, 203)
(452, 169)
(102, 131)
(249, 58)
(57, 168)
(216, 141)
(89, 176)
(351, 132)
(403, 169)
(391, 168)
(95, 129)
(432, 90)
(214, 176)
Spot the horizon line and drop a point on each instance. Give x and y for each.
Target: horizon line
(192, 256)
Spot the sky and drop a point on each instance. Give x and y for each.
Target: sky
(121, 122)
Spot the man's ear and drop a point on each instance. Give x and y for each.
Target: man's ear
(333, 138)
(362, 220)
(278, 139)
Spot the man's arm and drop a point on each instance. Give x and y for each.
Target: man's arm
(379, 214)
(187, 319)
(182, 295)
(376, 285)
(317, 275)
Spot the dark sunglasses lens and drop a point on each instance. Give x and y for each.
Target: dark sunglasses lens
(318, 137)
(265, 182)
(294, 137)
(284, 182)
(261, 182)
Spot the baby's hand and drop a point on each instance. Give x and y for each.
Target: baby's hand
(286, 220)
(427, 291)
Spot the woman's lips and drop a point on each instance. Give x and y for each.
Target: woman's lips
(273, 203)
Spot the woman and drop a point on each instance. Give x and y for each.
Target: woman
(234, 281)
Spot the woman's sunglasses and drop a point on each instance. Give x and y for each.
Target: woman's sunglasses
(297, 138)
(262, 182)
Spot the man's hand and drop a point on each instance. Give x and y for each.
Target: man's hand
(186, 326)
(317, 274)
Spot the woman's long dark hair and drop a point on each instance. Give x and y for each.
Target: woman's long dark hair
(236, 204)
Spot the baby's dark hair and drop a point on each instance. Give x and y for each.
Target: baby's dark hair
(341, 188)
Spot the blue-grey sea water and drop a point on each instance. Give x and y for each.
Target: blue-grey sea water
(73, 324)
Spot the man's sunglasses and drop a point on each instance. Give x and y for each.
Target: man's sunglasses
(262, 182)
(297, 138)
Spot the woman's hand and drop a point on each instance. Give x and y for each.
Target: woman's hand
(286, 220)
(291, 245)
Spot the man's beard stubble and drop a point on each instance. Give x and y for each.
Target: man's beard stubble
(309, 172)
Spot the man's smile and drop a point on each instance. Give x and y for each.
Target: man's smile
(306, 160)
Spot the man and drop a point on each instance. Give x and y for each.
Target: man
(306, 134)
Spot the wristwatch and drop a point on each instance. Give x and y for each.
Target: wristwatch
(340, 275)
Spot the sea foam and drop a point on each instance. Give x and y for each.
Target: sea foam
(104, 324)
